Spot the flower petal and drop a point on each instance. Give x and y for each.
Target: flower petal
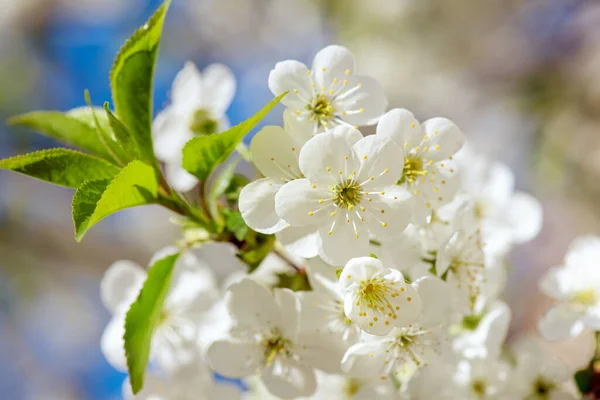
(328, 157)
(289, 306)
(401, 126)
(218, 88)
(330, 63)
(303, 241)
(444, 138)
(300, 130)
(121, 284)
(170, 134)
(297, 202)
(389, 214)
(289, 76)
(366, 360)
(112, 343)
(179, 178)
(251, 306)
(434, 294)
(275, 154)
(288, 379)
(370, 101)
(235, 359)
(257, 205)
(343, 240)
(381, 162)
(555, 284)
(186, 92)
(321, 351)
(560, 323)
(524, 214)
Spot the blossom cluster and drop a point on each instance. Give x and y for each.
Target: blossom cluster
(401, 238)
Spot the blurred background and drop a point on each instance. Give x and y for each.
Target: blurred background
(520, 77)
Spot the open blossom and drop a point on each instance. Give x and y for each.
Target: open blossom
(377, 298)
(348, 193)
(191, 294)
(576, 287)
(428, 170)
(199, 103)
(331, 93)
(414, 344)
(266, 340)
(481, 378)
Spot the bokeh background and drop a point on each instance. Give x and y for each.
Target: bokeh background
(519, 76)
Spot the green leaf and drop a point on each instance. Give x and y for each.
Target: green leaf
(294, 281)
(218, 187)
(131, 81)
(144, 315)
(202, 154)
(338, 272)
(256, 248)
(583, 379)
(122, 135)
(63, 167)
(236, 225)
(75, 128)
(135, 185)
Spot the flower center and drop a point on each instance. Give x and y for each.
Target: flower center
(413, 168)
(352, 387)
(203, 124)
(321, 110)
(479, 387)
(347, 194)
(542, 388)
(275, 345)
(373, 294)
(585, 297)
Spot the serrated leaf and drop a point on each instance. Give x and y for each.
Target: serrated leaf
(75, 128)
(131, 81)
(202, 154)
(143, 317)
(63, 167)
(122, 135)
(135, 185)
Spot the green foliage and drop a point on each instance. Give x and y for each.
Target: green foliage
(256, 247)
(75, 128)
(202, 154)
(63, 167)
(135, 185)
(219, 186)
(236, 225)
(122, 135)
(131, 82)
(584, 379)
(144, 316)
(338, 272)
(294, 281)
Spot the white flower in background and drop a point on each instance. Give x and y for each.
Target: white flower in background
(482, 335)
(576, 286)
(481, 379)
(537, 376)
(198, 106)
(428, 170)
(348, 193)
(330, 94)
(266, 340)
(377, 298)
(191, 294)
(421, 387)
(192, 382)
(507, 216)
(414, 344)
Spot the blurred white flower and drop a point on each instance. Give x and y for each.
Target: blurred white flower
(576, 286)
(330, 94)
(347, 194)
(428, 148)
(481, 378)
(199, 103)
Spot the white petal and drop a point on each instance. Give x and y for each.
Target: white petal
(330, 63)
(179, 178)
(555, 284)
(591, 318)
(359, 269)
(235, 359)
(321, 351)
(170, 133)
(121, 284)
(445, 138)
(275, 154)
(370, 98)
(301, 130)
(297, 202)
(401, 126)
(289, 379)
(251, 305)
(383, 164)
(434, 294)
(328, 158)
(218, 88)
(112, 343)
(346, 240)
(193, 286)
(366, 360)
(389, 214)
(524, 214)
(582, 251)
(186, 92)
(303, 241)
(287, 76)
(289, 306)
(257, 205)
(560, 323)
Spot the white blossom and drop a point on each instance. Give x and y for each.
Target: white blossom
(347, 194)
(331, 93)
(198, 106)
(576, 287)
